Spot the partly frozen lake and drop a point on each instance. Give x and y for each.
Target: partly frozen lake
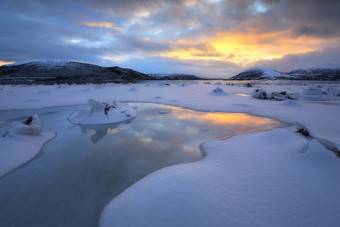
(79, 172)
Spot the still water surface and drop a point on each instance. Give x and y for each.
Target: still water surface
(84, 168)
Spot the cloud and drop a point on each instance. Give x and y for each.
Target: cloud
(306, 60)
(103, 24)
(220, 35)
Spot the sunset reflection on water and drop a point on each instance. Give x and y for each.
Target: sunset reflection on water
(88, 165)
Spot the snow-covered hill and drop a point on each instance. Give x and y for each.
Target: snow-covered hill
(261, 73)
(264, 73)
(174, 76)
(316, 73)
(65, 72)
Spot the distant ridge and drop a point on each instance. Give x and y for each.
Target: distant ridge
(260, 73)
(51, 72)
(264, 73)
(174, 76)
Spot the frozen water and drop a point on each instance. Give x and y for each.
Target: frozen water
(86, 166)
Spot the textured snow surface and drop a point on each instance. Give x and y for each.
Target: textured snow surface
(318, 113)
(94, 113)
(269, 73)
(259, 179)
(21, 143)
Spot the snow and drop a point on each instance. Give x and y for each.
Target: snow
(33, 128)
(267, 181)
(275, 178)
(313, 91)
(218, 92)
(94, 113)
(20, 143)
(41, 63)
(269, 73)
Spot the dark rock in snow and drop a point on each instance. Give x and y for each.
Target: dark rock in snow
(218, 91)
(278, 96)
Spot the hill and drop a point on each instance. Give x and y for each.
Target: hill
(66, 72)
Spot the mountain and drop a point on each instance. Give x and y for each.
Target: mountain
(316, 74)
(175, 76)
(261, 73)
(66, 72)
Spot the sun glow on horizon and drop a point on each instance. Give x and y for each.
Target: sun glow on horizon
(246, 48)
(6, 62)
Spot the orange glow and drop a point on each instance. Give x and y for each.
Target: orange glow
(226, 118)
(219, 118)
(112, 131)
(244, 48)
(6, 62)
(104, 24)
(241, 94)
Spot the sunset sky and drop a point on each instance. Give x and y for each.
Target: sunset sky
(204, 37)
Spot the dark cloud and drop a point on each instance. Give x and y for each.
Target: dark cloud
(306, 60)
(325, 31)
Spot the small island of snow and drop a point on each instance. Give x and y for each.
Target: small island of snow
(102, 113)
(20, 142)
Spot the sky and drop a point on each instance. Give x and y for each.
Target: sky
(211, 38)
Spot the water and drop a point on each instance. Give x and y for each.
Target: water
(84, 168)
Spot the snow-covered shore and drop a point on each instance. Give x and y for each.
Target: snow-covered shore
(265, 181)
(318, 113)
(20, 142)
(269, 178)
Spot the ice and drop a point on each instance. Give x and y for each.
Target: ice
(30, 127)
(20, 142)
(102, 113)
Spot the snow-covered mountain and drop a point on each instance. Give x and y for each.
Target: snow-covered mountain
(174, 76)
(261, 73)
(51, 72)
(264, 73)
(316, 74)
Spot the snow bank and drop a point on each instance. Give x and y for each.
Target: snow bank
(20, 142)
(259, 179)
(313, 91)
(32, 126)
(102, 113)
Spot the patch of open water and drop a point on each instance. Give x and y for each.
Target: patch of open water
(84, 168)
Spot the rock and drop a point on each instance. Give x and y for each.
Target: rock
(247, 85)
(3, 129)
(278, 96)
(259, 94)
(218, 91)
